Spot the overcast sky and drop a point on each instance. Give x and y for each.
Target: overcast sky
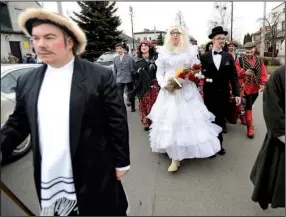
(196, 15)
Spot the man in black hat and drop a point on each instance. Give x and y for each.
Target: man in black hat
(77, 120)
(219, 69)
(124, 67)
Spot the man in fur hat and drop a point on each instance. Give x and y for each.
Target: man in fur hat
(124, 67)
(253, 76)
(218, 68)
(75, 114)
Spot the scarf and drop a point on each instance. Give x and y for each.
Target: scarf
(58, 196)
(256, 68)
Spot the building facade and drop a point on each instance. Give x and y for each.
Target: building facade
(275, 30)
(12, 39)
(148, 34)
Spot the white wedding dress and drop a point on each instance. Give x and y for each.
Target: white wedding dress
(181, 124)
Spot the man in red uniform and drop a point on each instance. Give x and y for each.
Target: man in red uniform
(253, 76)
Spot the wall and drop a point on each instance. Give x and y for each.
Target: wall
(5, 46)
(147, 35)
(15, 8)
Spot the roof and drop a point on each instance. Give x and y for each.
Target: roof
(277, 6)
(128, 38)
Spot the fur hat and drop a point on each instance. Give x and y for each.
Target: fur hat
(31, 15)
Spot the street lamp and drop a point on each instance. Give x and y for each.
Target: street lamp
(131, 16)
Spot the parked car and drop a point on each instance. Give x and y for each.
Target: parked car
(9, 76)
(106, 59)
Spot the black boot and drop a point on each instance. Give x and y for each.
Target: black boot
(146, 128)
(222, 150)
(132, 101)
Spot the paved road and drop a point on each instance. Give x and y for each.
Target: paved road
(218, 186)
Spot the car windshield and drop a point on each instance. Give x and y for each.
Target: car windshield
(106, 57)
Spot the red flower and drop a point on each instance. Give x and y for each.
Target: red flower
(181, 75)
(193, 78)
(197, 67)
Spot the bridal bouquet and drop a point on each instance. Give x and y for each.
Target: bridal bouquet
(191, 74)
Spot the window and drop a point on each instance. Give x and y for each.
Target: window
(150, 38)
(8, 84)
(145, 38)
(18, 12)
(16, 73)
(283, 25)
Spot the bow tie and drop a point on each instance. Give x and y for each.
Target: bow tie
(215, 53)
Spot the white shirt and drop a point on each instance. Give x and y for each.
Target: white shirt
(121, 57)
(53, 106)
(216, 58)
(54, 110)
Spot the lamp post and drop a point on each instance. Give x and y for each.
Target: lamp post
(231, 24)
(60, 8)
(263, 32)
(131, 16)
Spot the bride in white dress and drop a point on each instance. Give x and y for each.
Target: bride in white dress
(181, 124)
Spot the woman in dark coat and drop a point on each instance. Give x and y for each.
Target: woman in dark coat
(209, 46)
(268, 173)
(147, 88)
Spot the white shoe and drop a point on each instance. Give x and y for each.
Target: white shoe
(174, 166)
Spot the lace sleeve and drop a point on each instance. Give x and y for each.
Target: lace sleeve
(160, 74)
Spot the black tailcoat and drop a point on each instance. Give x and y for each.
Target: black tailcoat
(217, 92)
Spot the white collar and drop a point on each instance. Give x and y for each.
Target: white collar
(67, 66)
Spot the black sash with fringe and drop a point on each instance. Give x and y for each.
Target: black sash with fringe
(256, 68)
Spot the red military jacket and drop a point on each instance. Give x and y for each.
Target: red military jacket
(251, 84)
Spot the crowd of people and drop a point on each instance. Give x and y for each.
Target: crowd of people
(80, 138)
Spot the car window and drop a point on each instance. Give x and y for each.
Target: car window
(7, 84)
(16, 73)
(106, 57)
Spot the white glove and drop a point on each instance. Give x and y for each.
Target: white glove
(282, 138)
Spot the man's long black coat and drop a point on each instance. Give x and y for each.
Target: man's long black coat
(99, 137)
(217, 93)
(268, 172)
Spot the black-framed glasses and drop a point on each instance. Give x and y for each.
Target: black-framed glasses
(175, 33)
(220, 39)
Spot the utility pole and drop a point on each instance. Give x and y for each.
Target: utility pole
(60, 8)
(231, 24)
(131, 16)
(263, 32)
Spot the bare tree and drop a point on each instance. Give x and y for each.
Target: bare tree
(222, 17)
(272, 31)
(180, 19)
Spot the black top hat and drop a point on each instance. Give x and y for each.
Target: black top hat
(217, 30)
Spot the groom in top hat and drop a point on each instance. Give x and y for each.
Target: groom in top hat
(219, 69)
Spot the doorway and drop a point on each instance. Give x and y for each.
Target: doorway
(16, 50)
